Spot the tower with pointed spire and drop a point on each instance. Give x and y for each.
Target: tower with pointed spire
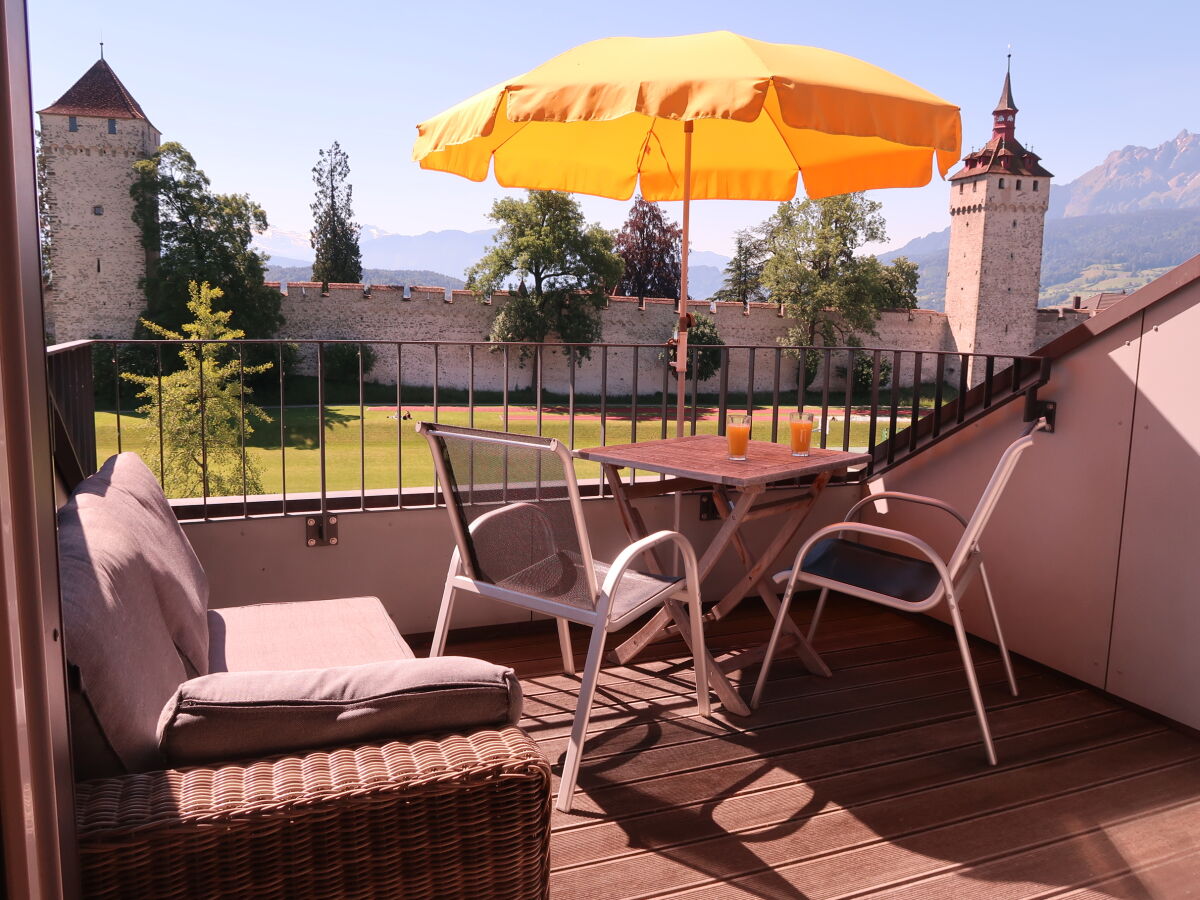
(998, 202)
(90, 139)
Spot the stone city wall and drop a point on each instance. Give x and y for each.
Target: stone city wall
(382, 313)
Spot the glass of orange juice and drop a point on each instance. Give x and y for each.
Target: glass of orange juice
(801, 424)
(737, 430)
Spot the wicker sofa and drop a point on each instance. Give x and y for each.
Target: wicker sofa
(268, 751)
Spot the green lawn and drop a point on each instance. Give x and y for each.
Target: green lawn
(374, 436)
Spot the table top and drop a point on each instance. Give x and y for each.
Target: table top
(705, 457)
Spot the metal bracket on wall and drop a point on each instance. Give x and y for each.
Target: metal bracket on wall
(1040, 409)
(321, 530)
(708, 508)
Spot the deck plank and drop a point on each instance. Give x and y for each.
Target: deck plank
(871, 783)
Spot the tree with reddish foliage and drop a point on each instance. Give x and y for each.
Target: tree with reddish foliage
(650, 245)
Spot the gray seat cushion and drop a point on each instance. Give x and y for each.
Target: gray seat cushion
(234, 715)
(131, 496)
(872, 569)
(115, 633)
(313, 634)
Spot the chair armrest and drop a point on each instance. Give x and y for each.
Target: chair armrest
(908, 498)
(475, 806)
(626, 557)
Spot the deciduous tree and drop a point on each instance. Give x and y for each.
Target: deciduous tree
(650, 246)
(200, 236)
(568, 265)
(828, 291)
(202, 405)
(335, 233)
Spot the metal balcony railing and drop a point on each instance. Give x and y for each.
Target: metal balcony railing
(332, 445)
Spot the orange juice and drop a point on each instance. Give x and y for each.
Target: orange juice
(739, 440)
(801, 436)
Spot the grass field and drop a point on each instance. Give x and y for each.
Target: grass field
(373, 437)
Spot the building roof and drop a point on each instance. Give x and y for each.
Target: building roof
(1006, 100)
(1001, 155)
(98, 93)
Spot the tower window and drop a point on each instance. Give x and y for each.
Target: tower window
(72, 123)
(1014, 223)
(1018, 184)
(1035, 185)
(97, 265)
(112, 126)
(974, 186)
(960, 188)
(1001, 182)
(97, 210)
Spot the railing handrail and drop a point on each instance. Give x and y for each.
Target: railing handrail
(54, 349)
(895, 428)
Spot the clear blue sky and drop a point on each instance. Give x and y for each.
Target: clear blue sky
(254, 88)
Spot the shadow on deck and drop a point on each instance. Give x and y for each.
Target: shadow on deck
(871, 783)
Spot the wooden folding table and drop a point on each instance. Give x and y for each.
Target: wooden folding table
(739, 491)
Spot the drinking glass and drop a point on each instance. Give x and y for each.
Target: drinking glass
(801, 425)
(737, 430)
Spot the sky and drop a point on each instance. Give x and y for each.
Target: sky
(255, 88)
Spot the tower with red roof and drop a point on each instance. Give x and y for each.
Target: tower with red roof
(90, 139)
(998, 202)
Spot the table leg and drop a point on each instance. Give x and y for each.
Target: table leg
(755, 576)
(631, 517)
(717, 680)
(659, 625)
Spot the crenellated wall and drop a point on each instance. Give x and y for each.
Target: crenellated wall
(382, 313)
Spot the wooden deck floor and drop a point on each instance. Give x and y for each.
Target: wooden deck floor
(872, 783)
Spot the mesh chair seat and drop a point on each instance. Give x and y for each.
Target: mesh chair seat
(560, 577)
(872, 569)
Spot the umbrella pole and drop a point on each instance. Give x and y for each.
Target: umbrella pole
(681, 347)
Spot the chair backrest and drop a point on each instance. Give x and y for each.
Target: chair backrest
(514, 506)
(990, 497)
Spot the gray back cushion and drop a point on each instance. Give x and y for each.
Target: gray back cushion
(130, 495)
(115, 631)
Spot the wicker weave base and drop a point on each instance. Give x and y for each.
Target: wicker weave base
(456, 816)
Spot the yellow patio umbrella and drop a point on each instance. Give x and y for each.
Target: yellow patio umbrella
(621, 113)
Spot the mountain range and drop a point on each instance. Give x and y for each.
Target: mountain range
(1116, 227)
(438, 257)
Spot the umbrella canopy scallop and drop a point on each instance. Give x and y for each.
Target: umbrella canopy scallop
(608, 117)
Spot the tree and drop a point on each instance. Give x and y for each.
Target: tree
(341, 362)
(650, 247)
(702, 333)
(45, 211)
(743, 275)
(204, 413)
(335, 233)
(830, 293)
(570, 265)
(199, 236)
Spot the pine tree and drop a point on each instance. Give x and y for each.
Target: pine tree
(650, 246)
(205, 417)
(335, 233)
(743, 274)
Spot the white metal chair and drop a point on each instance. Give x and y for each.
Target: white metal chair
(521, 539)
(910, 583)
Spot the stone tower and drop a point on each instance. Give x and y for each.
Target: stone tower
(90, 139)
(998, 203)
